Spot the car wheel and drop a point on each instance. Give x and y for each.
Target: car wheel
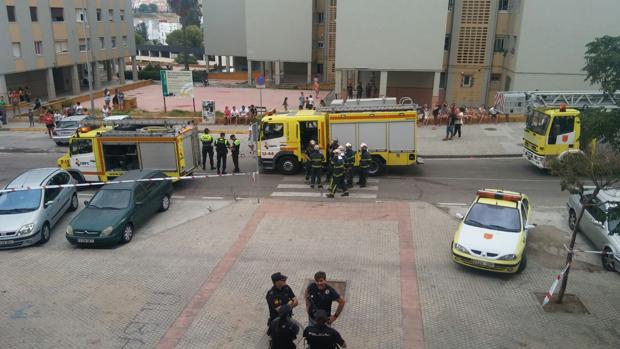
(127, 234)
(165, 203)
(74, 202)
(45, 233)
(523, 263)
(608, 260)
(572, 219)
(288, 165)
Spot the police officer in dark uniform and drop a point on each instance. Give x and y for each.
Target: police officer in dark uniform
(316, 162)
(207, 148)
(221, 148)
(349, 162)
(364, 165)
(234, 149)
(279, 295)
(337, 180)
(283, 331)
(320, 296)
(321, 336)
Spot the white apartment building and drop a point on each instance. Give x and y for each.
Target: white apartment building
(158, 27)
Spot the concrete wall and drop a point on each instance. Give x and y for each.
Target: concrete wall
(279, 30)
(224, 27)
(391, 35)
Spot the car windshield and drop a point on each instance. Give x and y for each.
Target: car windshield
(67, 124)
(115, 199)
(614, 218)
(20, 201)
(494, 217)
(537, 122)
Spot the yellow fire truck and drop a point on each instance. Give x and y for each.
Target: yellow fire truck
(388, 128)
(106, 152)
(553, 126)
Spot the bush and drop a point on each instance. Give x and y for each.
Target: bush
(180, 59)
(198, 75)
(67, 103)
(149, 74)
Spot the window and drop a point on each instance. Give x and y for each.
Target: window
(319, 68)
(10, 12)
(450, 5)
(17, 50)
(124, 40)
(81, 146)
(80, 15)
(320, 44)
(446, 43)
(113, 41)
(57, 14)
(34, 15)
(504, 5)
(496, 77)
(62, 46)
(561, 126)
(38, 48)
(84, 44)
(500, 44)
(101, 42)
(271, 131)
(468, 81)
(121, 14)
(111, 15)
(320, 17)
(597, 213)
(98, 15)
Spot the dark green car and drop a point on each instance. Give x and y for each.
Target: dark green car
(116, 210)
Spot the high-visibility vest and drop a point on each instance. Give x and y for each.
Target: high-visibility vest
(221, 145)
(206, 139)
(236, 146)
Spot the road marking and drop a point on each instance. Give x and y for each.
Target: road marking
(213, 197)
(306, 186)
(318, 195)
(301, 179)
(451, 204)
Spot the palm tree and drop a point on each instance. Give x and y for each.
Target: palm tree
(183, 9)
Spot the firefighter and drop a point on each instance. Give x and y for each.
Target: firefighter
(337, 180)
(316, 161)
(221, 148)
(308, 166)
(349, 163)
(234, 149)
(330, 155)
(364, 164)
(207, 148)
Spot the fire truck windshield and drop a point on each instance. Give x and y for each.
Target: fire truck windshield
(537, 122)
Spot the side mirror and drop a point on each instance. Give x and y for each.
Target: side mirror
(459, 215)
(530, 226)
(86, 202)
(47, 203)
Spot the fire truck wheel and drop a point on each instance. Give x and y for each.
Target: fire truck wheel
(376, 166)
(288, 165)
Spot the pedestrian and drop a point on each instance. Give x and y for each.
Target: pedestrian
(27, 94)
(243, 114)
(221, 148)
(316, 162)
(251, 138)
(337, 180)
(285, 104)
(234, 152)
(14, 99)
(30, 117)
(302, 101)
(48, 119)
(37, 104)
(121, 100)
(106, 97)
(306, 155)
(282, 330)
(280, 294)
(365, 159)
(207, 149)
(3, 110)
(234, 115)
(350, 90)
(115, 100)
(320, 296)
(349, 163)
(227, 115)
(493, 113)
(358, 90)
(321, 336)
(451, 123)
(459, 122)
(368, 89)
(79, 109)
(105, 110)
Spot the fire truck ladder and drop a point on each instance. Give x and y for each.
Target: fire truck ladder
(573, 99)
(363, 106)
(139, 122)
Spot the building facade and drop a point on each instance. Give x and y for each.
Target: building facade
(159, 26)
(52, 41)
(457, 51)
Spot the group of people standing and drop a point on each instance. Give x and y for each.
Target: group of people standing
(371, 89)
(221, 146)
(319, 297)
(243, 116)
(340, 166)
(117, 101)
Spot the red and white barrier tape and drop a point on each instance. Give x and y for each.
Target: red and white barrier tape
(554, 285)
(595, 252)
(93, 184)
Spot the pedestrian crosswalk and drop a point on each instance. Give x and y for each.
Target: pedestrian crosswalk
(295, 186)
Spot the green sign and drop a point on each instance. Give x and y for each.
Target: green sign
(176, 83)
(164, 82)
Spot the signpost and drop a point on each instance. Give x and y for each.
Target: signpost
(177, 83)
(260, 85)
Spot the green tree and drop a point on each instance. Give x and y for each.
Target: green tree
(181, 59)
(601, 126)
(193, 37)
(603, 63)
(598, 166)
(144, 8)
(140, 28)
(153, 8)
(140, 40)
(184, 8)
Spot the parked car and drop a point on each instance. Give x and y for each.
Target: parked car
(116, 210)
(600, 223)
(66, 127)
(493, 234)
(28, 216)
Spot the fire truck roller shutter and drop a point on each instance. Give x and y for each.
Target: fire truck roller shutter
(159, 156)
(374, 134)
(345, 133)
(402, 135)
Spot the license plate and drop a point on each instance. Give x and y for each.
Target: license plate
(86, 241)
(482, 263)
(6, 242)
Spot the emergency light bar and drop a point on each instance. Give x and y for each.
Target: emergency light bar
(498, 195)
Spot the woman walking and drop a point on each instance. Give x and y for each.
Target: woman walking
(285, 104)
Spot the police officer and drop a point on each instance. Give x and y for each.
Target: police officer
(316, 162)
(282, 330)
(207, 148)
(279, 295)
(337, 180)
(234, 149)
(221, 148)
(308, 166)
(364, 165)
(321, 336)
(349, 162)
(320, 296)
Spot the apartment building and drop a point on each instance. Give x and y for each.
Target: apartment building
(460, 51)
(52, 41)
(158, 26)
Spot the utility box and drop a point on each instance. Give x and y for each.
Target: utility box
(208, 111)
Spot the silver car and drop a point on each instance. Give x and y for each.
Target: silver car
(600, 223)
(28, 216)
(66, 127)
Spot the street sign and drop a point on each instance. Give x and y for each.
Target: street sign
(260, 82)
(176, 83)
